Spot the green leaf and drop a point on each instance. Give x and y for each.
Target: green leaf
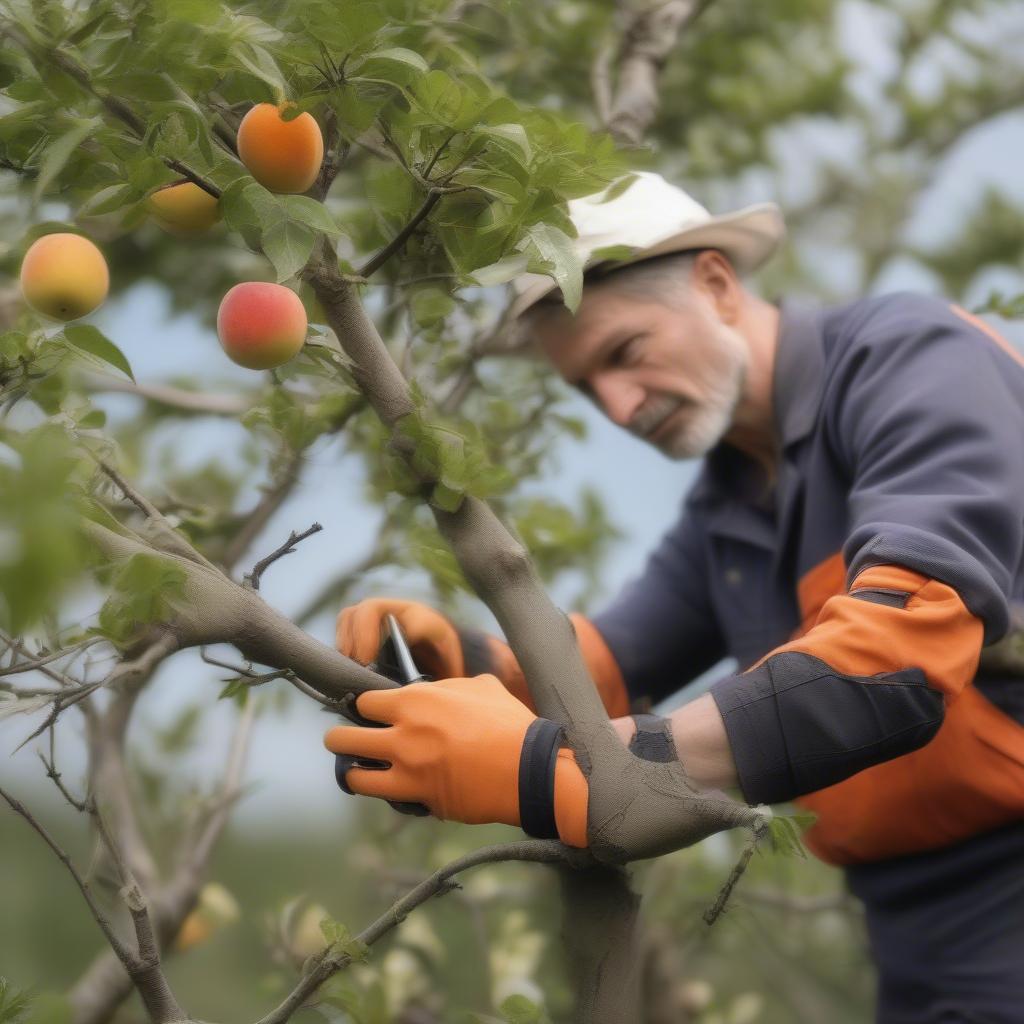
(108, 199)
(430, 305)
(617, 188)
(288, 246)
(402, 55)
(550, 251)
(512, 138)
(784, 834)
(259, 62)
(308, 211)
(237, 689)
(59, 152)
(520, 1010)
(91, 340)
(507, 268)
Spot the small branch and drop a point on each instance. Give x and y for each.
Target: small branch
(253, 578)
(31, 666)
(396, 243)
(175, 541)
(121, 951)
(326, 964)
(758, 833)
(179, 399)
(52, 773)
(261, 513)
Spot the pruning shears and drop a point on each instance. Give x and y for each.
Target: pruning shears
(396, 662)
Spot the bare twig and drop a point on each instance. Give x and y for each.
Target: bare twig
(329, 962)
(120, 950)
(253, 578)
(396, 243)
(193, 402)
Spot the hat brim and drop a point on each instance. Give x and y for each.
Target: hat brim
(748, 237)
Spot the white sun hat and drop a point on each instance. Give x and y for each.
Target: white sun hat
(654, 217)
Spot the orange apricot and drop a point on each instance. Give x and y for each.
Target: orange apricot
(283, 156)
(183, 209)
(261, 325)
(64, 275)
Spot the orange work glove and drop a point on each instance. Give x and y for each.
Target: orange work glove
(443, 651)
(469, 751)
(433, 640)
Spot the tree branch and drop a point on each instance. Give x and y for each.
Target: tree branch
(113, 104)
(120, 950)
(294, 539)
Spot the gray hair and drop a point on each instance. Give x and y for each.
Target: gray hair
(664, 279)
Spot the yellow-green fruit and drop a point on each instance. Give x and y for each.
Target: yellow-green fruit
(183, 209)
(64, 276)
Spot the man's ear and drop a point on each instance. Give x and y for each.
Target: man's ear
(714, 276)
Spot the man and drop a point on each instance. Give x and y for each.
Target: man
(855, 538)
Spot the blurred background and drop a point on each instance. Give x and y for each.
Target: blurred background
(892, 135)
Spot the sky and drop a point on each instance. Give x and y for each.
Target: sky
(290, 772)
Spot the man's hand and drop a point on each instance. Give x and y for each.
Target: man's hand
(433, 640)
(469, 751)
(440, 649)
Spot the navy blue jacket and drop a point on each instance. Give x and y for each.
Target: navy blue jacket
(897, 514)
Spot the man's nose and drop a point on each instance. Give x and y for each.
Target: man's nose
(618, 398)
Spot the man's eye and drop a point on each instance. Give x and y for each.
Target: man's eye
(625, 352)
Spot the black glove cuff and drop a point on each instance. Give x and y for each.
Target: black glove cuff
(537, 779)
(653, 739)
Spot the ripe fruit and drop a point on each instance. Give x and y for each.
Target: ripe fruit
(183, 209)
(64, 276)
(283, 156)
(261, 325)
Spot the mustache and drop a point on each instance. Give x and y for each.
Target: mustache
(651, 416)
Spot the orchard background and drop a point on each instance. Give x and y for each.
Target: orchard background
(890, 134)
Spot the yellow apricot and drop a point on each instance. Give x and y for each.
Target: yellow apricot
(183, 209)
(64, 275)
(283, 156)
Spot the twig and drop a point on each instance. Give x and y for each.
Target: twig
(253, 578)
(396, 243)
(197, 402)
(713, 912)
(327, 963)
(258, 517)
(31, 666)
(121, 951)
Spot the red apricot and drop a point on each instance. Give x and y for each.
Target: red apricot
(261, 325)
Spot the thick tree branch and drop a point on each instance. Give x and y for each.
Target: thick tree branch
(650, 36)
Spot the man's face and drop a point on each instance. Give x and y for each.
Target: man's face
(670, 375)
